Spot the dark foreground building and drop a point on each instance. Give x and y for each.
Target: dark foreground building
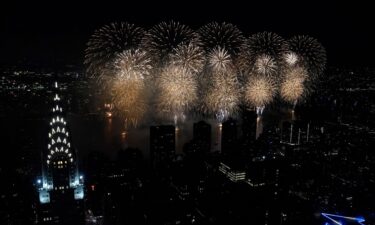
(60, 186)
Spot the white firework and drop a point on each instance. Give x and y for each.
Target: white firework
(265, 65)
(189, 56)
(177, 91)
(132, 64)
(291, 58)
(219, 60)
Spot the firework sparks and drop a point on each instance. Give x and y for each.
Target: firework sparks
(177, 89)
(264, 49)
(223, 35)
(164, 37)
(259, 91)
(132, 64)
(129, 100)
(189, 56)
(220, 60)
(265, 65)
(311, 52)
(291, 58)
(292, 87)
(223, 95)
(108, 41)
(128, 85)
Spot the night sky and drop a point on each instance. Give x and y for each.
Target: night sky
(56, 34)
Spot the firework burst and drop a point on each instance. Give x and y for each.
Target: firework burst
(164, 37)
(259, 91)
(177, 91)
(219, 60)
(128, 85)
(223, 96)
(265, 65)
(263, 49)
(189, 56)
(292, 88)
(222, 35)
(132, 64)
(129, 100)
(311, 53)
(108, 41)
(291, 58)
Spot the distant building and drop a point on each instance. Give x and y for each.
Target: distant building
(162, 144)
(202, 135)
(60, 188)
(249, 125)
(235, 175)
(229, 137)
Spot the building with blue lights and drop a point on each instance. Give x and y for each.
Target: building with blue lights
(60, 187)
(341, 220)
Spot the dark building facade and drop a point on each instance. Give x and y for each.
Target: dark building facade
(202, 135)
(229, 137)
(60, 187)
(162, 144)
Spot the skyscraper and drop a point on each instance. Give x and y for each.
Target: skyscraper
(60, 186)
(229, 137)
(162, 144)
(202, 135)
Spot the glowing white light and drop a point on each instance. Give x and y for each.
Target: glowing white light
(52, 152)
(66, 150)
(55, 84)
(71, 159)
(53, 141)
(58, 129)
(58, 140)
(49, 146)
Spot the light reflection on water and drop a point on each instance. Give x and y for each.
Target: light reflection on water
(108, 135)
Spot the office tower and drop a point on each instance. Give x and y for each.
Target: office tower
(60, 186)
